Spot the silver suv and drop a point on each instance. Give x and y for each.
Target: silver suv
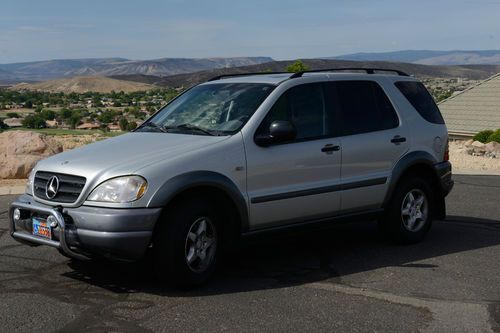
(245, 154)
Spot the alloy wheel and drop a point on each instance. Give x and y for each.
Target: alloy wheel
(414, 210)
(201, 243)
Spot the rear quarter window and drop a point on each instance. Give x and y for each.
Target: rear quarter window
(421, 100)
(364, 107)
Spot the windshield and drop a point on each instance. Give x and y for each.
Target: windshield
(212, 109)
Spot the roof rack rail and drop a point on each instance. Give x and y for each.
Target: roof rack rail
(368, 70)
(215, 78)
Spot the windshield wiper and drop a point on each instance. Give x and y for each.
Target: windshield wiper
(155, 126)
(190, 127)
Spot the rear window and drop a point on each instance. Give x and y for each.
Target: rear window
(421, 100)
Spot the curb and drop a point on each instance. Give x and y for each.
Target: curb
(9, 190)
(475, 173)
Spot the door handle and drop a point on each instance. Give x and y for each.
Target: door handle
(398, 139)
(329, 148)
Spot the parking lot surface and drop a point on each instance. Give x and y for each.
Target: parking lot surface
(347, 278)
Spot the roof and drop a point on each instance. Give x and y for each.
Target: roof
(13, 122)
(474, 109)
(269, 79)
(276, 79)
(88, 126)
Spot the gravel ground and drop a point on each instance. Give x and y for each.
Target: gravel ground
(12, 182)
(463, 162)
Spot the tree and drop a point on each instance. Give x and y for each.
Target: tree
(96, 100)
(123, 122)
(48, 114)
(33, 121)
(74, 120)
(131, 126)
(297, 66)
(28, 104)
(65, 113)
(107, 116)
(12, 115)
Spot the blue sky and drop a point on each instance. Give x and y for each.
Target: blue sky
(148, 29)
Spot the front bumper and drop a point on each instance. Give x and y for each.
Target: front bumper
(443, 171)
(86, 231)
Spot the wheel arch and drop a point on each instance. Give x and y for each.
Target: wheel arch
(207, 183)
(417, 163)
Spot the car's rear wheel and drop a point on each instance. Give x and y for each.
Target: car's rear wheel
(186, 242)
(409, 214)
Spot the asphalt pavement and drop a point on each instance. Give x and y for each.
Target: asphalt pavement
(347, 278)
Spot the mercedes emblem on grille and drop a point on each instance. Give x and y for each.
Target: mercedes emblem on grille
(52, 187)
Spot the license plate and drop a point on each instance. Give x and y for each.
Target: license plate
(41, 228)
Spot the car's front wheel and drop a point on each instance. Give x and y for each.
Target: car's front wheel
(409, 214)
(186, 242)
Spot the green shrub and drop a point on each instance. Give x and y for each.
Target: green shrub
(495, 136)
(297, 66)
(483, 136)
(33, 121)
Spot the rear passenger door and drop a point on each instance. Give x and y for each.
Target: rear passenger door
(372, 139)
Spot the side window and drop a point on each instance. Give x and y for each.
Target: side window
(304, 107)
(421, 100)
(364, 107)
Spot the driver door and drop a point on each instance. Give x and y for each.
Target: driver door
(297, 180)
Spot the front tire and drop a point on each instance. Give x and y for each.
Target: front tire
(410, 212)
(186, 242)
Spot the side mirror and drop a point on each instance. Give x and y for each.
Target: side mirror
(279, 131)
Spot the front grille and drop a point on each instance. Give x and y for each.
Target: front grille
(70, 186)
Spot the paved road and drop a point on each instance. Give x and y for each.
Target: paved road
(344, 279)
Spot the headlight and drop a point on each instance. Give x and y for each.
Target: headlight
(29, 183)
(120, 189)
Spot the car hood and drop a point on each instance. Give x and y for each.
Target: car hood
(125, 154)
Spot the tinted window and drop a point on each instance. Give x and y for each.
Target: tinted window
(363, 107)
(304, 107)
(421, 100)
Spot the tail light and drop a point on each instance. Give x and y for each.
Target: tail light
(446, 156)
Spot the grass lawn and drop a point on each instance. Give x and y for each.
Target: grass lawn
(23, 111)
(57, 131)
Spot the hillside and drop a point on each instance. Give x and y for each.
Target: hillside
(426, 57)
(52, 69)
(475, 72)
(84, 84)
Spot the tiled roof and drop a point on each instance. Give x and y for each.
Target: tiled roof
(475, 109)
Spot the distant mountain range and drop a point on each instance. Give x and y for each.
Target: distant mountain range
(82, 84)
(167, 67)
(426, 57)
(475, 72)
(64, 68)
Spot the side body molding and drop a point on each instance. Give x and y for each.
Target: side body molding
(194, 179)
(410, 159)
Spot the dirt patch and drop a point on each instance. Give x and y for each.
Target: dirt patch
(463, 161)
(73, 141)
(12, 182)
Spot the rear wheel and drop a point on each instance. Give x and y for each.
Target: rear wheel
(409, 214)
(186, 242)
